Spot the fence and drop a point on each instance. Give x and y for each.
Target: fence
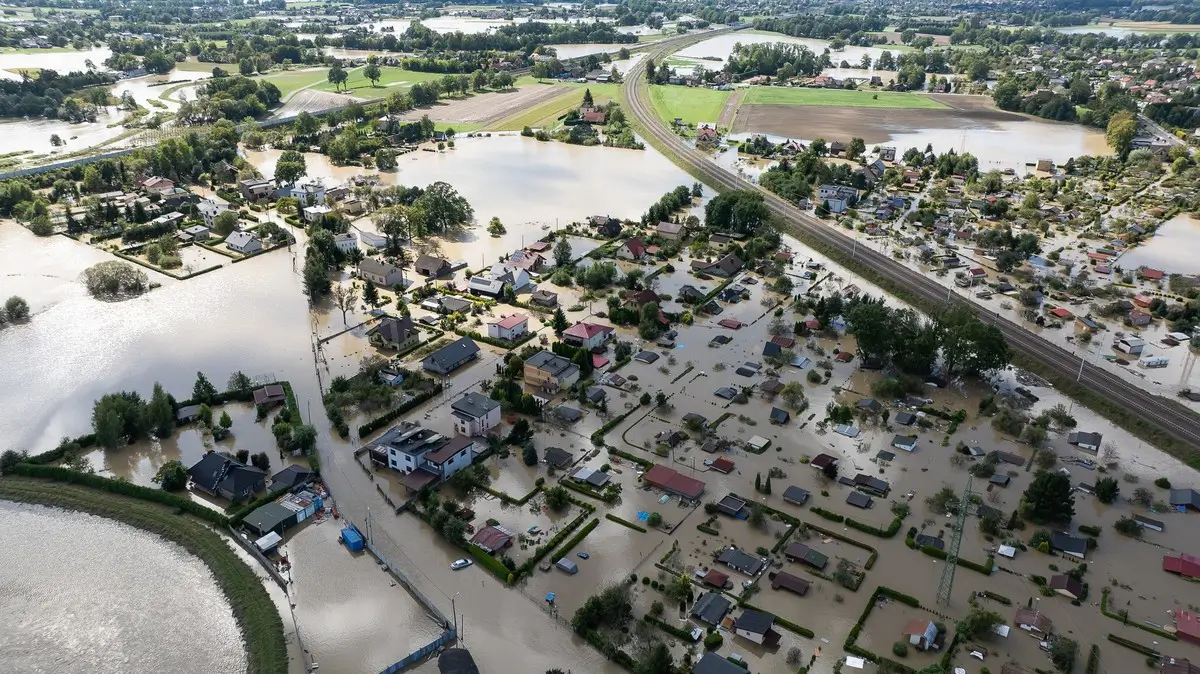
(446, 638)
(408, 585)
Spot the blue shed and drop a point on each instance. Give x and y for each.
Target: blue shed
(352, 539)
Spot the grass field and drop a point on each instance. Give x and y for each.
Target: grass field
(390, 77)
(693, 104)
(290, 80)
(838, 98)
(255, 612)
(198, 67)
(544, 115)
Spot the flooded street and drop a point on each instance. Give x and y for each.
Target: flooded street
(69, 603)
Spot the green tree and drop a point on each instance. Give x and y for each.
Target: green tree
(443, 209)
(559, 322)
(172, 476)
(316, 274)
(529, 455)
(160, 413)
(1063, 651)
(10, 459)
(1049, 498)
(654, 519)
(239, 383)
(225, 223)
(978, 623)
(856, 148)
(373, 73)
(370, 294)
(16, 309)
(587, 98)
(657, 661)
(562, 252)
(106, 426)
(203, 391)
(1107, 489)
(1122, 129)
(871, 324)
(305, 124)
(557, 497)
(649, 327)
(290, 166)
(337, 76)
(205, 415)
(246, 67)
(226, 422)
(739, 211)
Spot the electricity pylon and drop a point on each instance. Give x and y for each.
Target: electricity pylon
(947, 584)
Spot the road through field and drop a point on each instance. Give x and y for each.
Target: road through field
(1180, 423)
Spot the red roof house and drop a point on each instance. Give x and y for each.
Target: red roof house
(592, 116)
(821, 461)
(731, 323)
(633, 249)
(1061, 312)
(722, 465)
(784, 342)
(716, 578)
(1187, 626)
(1151, 274)
(1142, 301)
(1183, 564)
(671, 480)
(492, 539)
(587, 335)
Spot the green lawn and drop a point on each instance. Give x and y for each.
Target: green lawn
(37, 50)
(290, 80)
(693, 104)
(196, 66)
(839, 98)
(391, 77)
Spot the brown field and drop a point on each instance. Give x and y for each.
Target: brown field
(873, 125)
(311, 100)
(483, 108)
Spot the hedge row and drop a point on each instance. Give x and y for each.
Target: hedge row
(547, 547)
(704, 528)
(388, 417)
(508, 500)
(626, 523)
(784, 622)
(892, 529)
(681, 634)
(852, 648)
(598, 436)
(121, 487)
(831, 516)
(1093, 663)
(239, 513)
(490, 563)
(610, 650)
(858, 544)
(644, 463)
(586, 490)
(985, 568)
(997, 597)
(575, 540)
(1134, 646)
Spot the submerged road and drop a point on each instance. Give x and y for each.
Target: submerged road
(1172, 417)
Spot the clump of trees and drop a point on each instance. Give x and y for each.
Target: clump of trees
(15, 310)
(913, 343)
(114, 280)
(1049, 498)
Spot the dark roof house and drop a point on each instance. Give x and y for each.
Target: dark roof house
(221, 475)
(711, 608)
(741, 561)
(795, 495)
(801, 553)
(452, 356)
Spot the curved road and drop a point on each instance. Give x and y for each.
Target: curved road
(1169, 415)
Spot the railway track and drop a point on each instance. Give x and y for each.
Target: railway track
(1175, 419)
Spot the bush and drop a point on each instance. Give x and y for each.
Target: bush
(388, 417)
(1162, 483)
(832, 516)
(626, 523)
(1089, 530)
(900, 649)
(813, 377)
(575, 540)
(713, 641)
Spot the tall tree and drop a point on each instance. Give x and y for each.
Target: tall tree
(344, 298)
(160, 413)
(203, 391)
(443, 209)
(373, 73)
(1049, 498)
(562, 252)
(560, 321)
(1122, 128)
(337, 76)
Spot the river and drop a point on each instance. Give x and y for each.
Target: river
(71, 600)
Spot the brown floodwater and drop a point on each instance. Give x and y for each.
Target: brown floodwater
(1171, 249)
(72, 600)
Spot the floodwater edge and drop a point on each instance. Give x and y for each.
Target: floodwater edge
(256, 614)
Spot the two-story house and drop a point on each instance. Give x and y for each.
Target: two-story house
(475, 414)
(587, 335)
(509, 328)
(383, 274)
(550, 371)
(210, 207)
(424, 456)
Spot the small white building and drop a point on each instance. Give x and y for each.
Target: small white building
(244, 243)
(345, 242)
(315, 213)
(372, 239)
(509, 328)
(210, 207)
(475, 414)
(1131, 345)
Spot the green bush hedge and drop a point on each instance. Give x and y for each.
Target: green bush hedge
(644, 463)
(985, 568)
(708, 530)
(598, 436)
(626, 523)
(490, 563)
(892, 529)
(831, 516)
(575, 540)
(239, 513)
(1133, 646)
(1090, 530)
(1141, 626)
(586, 490)
(1093, 663)
(997, 597)
(681, 634)
(124, 488)
(500, 343)
(388, 417)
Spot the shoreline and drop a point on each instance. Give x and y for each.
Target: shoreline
(256, 615)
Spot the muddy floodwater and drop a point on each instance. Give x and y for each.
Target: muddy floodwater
(1172, 248)
(62, 61)
(718, 48)
(72, 601)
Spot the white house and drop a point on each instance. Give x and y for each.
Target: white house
(475, 414)
(756, 626)
(345, 242)
(244, 243)
(514, 276)
(198, 232)
(509, 328)
(315, 213)
(372, 239)
(587, 335)
(907, 443)
(842, 192)
(383, 274)
(307, 189)
(456, 454)
(210, 207)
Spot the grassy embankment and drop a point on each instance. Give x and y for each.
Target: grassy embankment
(389, 77)
(692, 104)
(255, 612)
(839, 98)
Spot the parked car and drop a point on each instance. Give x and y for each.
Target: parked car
(460, 564)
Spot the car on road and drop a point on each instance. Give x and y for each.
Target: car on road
(583, 555)
(460, 564)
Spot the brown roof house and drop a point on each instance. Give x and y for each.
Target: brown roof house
(395, 333)
(1066, 586)
(1033, 622)
(921, 633)
(433, 267)
(271, 394)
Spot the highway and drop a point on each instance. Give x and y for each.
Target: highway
(1168, 415)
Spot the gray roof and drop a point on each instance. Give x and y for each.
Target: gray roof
(741, 561)
(755, 622)
(558, 366)
(795, 495)
(393, 329)
(427, 264)
(1084, 438)
(712, 663)
(567, 413)
(372, 265)
(859, 499)
(291, 476)
(868, 404)
(452, 355)
(559, 457)
(905, 418)
(1185, 497)
(268, 517)
(1065, 542)
(474, 405)
(711, 608)
(456, 661)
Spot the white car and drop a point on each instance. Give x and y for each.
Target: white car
(460, 564)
